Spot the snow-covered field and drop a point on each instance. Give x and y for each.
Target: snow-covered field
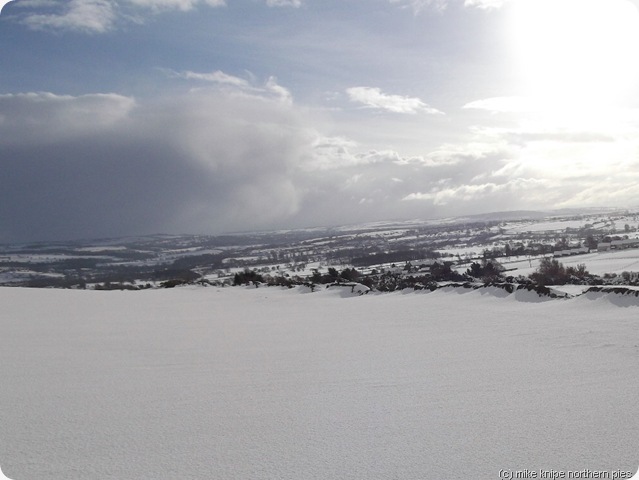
(598, 263)
(235, 383)
(547, 226)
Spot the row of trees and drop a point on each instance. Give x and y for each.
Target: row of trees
(549, 272)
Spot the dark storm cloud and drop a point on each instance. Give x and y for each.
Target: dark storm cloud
(203, 162)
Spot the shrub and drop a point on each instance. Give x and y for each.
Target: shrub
(247, 277)
(550, 272)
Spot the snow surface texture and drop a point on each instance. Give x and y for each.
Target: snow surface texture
(236, 383)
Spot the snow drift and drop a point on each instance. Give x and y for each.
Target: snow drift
(265, 383)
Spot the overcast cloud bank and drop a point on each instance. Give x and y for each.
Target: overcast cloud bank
(216, 160)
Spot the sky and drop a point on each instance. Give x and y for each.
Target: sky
(131, 117)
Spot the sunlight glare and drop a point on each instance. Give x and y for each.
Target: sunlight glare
(576, 52)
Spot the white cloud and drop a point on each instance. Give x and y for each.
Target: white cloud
(98, 16)
(461, 156)
(284, 3)
(331, 153)
(486, 4)
(504, 104)
(270, 88)
(418, 5)
(89, 16)
(278, 91)
(183, 5)
(476, 192)
(374, 98)
(217, 76)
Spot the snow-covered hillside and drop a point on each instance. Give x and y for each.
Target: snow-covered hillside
(235, 383)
